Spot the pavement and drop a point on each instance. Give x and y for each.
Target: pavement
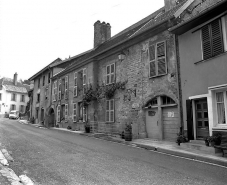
(164, 147)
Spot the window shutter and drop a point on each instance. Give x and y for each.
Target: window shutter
(108, 75)
(59, 90)
(75, 79)
(66, 112)
(74, 112)
(216, 32)
(107, 111)
(152, 72)
(161, 58)
(112, 110)
(207, 52)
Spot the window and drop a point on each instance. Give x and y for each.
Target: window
(212, 41)
(110, 74)
(22, 108)
(59, 89)
(220, 108)
(84, 80)
(75, 85)
(109, 110)
(38, 98)
(58, 113)
(157, 56)
(13, 97)
(66, 112)
(66, 87)
(38, 82)
(12, 107)
(37, 113)
(0, 96)
(48, 78)
(22, 98)
(43, 80)
(74, 112)
(167, 100)
(55, 91)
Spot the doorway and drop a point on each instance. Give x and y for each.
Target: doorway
(152, 124)
(201, 116)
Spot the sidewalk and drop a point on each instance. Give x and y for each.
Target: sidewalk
(166, 147)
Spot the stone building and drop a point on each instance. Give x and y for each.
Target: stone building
(133, 75)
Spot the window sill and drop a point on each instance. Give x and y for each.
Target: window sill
(151, 77)
(222, 127)
(201, 61)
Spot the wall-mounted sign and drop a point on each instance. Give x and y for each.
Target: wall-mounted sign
(170, 114)
(151, 113)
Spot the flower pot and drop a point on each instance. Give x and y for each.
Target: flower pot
(128, 136)
(212, 143)
(206, 143)
(87, 129)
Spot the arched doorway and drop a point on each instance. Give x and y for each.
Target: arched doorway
(162, 118)
(51, 117)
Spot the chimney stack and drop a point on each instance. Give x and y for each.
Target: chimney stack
(102, 32)
(169, 4)
(15, 79)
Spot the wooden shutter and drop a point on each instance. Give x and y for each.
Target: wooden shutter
(74, 112)
(189, 119)
(107, 111)
(217, 43)
(161, 58)
(75, 84)
(107, 74)
(111, 110)
(66, 112)
(152, 66)
(59, 89)
(206, 39)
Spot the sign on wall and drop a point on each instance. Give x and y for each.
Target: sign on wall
(170, 114)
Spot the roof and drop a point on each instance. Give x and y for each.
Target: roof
(45, 68)
(213, 10)
(136, 29)
(9, 85)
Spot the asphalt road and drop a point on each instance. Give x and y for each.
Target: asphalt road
(55, 157)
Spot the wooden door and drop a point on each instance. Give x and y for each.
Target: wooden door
(201, 115)
(152, 124)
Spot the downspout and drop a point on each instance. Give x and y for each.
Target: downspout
(179, 90)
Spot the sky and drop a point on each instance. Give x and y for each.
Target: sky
(33, 33)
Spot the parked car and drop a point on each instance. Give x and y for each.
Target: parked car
(14, 114)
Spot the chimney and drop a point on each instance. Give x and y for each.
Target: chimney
(15, 79)
(102, 32)
(169, 4)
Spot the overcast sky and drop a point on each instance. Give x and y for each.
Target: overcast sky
(33, 33)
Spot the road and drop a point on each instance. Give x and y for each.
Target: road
(56, 157)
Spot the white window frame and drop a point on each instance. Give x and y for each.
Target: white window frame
(84, 79)
(58, 113)
(75, 94)
(66, 112)
(109, 110)
(75, 112)
(155, 60)
(110, 74)
(225, 106)
(59, 89)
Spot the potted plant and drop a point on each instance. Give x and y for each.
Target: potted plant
(206, 139)
(87, 127)
(128, 132)
(180, 139)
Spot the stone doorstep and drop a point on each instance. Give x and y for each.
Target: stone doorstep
(200, 147)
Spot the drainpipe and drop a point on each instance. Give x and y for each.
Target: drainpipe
(179, 90)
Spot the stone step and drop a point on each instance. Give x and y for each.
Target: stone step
(202, 142)
(201, 147)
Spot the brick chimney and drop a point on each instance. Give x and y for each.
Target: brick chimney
(102, 32)
(169, 4)
(15, 79)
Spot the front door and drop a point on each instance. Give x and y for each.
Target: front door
(201, 115)
(152, 124)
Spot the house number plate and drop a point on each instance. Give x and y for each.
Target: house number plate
(170, 114)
